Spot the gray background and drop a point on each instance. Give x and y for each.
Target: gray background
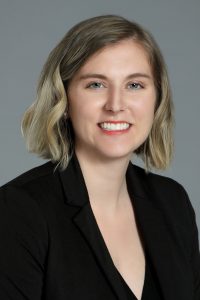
(30, 29)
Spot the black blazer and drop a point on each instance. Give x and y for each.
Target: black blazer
(51, 247)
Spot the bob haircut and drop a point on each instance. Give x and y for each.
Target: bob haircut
(46, 125)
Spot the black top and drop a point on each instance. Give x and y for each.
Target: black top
(151, 288)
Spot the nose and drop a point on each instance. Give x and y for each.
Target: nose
(115, 101)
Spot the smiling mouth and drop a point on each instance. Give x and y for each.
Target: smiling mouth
(114, 126)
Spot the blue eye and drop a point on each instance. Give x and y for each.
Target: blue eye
(95, 85)
(135, 86)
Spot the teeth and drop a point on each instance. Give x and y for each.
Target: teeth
(113, 126)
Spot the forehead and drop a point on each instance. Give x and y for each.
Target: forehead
(127, 55)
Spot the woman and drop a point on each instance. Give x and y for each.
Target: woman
(89, 224)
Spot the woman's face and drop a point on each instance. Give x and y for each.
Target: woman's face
(112, 100)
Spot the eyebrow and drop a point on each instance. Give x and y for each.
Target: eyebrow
(96, 75)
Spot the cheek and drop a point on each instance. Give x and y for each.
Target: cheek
(82, 117)
(144, 111)
(76, 107)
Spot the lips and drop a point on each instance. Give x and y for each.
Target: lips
(114, 126)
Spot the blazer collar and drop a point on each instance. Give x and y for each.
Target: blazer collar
(162, 249)
(72, 177)
(73, 183)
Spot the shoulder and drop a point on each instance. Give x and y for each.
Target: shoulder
(170, 198)
(26, 201)
(159, 183)
(33, 175)
(168, 194)
(22, 184)
(38, 179)
(23, 226)
(24, 197)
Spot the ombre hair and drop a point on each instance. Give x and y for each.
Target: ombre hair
(46, 125)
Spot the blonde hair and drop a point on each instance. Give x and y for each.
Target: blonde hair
(46, 126)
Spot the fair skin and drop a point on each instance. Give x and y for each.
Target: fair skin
(111, 105)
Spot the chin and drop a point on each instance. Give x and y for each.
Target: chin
(116, 154)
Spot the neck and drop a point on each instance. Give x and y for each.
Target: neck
(105, 180)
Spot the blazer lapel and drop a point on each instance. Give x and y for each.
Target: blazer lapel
(86, 223)
(170, 266)
(76, 195)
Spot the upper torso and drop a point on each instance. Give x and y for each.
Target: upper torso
(51, 246)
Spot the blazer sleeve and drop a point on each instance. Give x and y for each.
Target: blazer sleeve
(23, 245)
(195, 260)
(195, 254)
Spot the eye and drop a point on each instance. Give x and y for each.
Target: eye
(135, 86)
(95, 85)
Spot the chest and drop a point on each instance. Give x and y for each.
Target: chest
(123, 241)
